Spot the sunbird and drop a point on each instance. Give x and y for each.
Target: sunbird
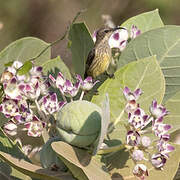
(100, 56)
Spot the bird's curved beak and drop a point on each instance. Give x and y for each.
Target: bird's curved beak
(118, 27)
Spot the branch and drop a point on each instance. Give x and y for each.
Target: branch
(61, 38)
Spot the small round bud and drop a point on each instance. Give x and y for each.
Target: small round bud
(138, 155)
(146, 141)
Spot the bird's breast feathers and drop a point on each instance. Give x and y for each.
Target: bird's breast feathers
(100, 64)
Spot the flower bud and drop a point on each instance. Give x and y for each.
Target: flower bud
(134, 32)
(146, 141)
(138, 155)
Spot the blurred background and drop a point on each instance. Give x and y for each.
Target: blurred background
(48, 19)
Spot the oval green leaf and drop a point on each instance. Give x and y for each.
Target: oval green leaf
(23, 50)
(31, 169)
(7, 146)
(79, 161)
(48, 157)
(145, 21)
(81, 44)
(7, 172)
(164, 43)
(53, 66)
(173, 118)
(27, 66)
(12, 155)
(104, 124)
(145, 74)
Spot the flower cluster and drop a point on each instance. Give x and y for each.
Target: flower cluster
(120, 38)
(65, 86)
(24, 93)
(28, 102)
(161, 131)
(138, 143)
(68, 89)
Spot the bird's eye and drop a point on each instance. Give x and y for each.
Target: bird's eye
(106, 30)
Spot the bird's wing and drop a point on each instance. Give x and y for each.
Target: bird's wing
(89, 60)
(90, 57)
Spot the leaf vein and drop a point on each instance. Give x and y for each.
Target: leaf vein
(168, 50)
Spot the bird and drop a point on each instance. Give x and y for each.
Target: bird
(100, 57)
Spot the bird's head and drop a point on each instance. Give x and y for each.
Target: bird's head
(105, 33)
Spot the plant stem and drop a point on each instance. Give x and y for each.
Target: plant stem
(40, 112)
(119, 118)
(116, 121)
(61, 38)
(148, 131)
(111, 149)
(82, 95)
(63, 96)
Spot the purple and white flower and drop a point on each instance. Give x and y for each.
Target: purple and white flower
(161, 129)
(59, 81)
(119, 39)
(44, 87)
(138, 119)
(35, 127)
(36, 71)
(65, 86)
(134, 32)
(158, 160)
(158, 111)
(10, 128)
(69, 89)
(9, 108)
(86, 84)
(30, 91)
(132, 95)
(140, 170)
(49, 104)
(26, 114)
(14, 67)
(133, 138)
(11, 89)
(164, 148)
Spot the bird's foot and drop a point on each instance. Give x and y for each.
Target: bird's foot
(111, 76)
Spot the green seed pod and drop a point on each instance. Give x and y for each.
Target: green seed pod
(49, 158)
(79, 123)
